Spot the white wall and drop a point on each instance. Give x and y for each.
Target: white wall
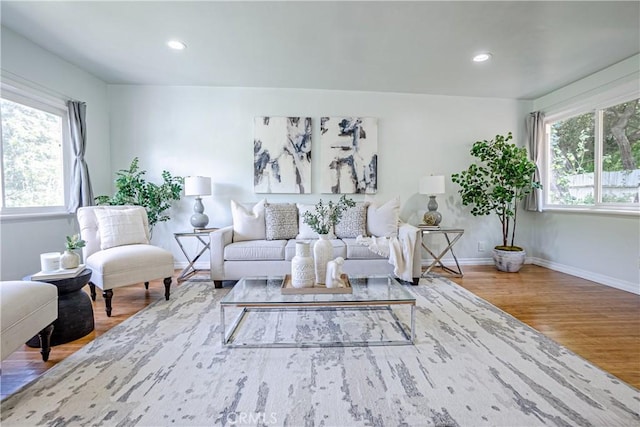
(601, 247)
(23, 240)
(209, 131)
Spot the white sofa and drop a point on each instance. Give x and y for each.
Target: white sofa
(239, 251)
(27, 309)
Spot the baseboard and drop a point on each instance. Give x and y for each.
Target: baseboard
(588, 275)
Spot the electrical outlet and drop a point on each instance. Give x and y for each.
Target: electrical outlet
(481, 246)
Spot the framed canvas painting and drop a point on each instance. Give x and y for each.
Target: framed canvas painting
(349, 155)
(282, 155)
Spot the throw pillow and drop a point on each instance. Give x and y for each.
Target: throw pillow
(305, 232)
(248, 224)
(119, 227)
(281, 220)
(382, 221)
(353, 222)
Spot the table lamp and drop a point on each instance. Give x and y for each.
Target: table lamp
(432, 185)
(198, 186)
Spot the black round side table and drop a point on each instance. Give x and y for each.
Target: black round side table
(75, 311)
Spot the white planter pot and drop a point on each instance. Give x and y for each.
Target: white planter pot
(69, 259)
(509, 261)
(322, 254)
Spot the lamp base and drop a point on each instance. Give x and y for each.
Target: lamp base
(199, 220)
(432, 216)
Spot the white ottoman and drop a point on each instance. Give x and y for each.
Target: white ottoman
(26, 309)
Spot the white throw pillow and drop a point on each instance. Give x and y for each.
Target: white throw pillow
(119, 227)
(248, 224)
(304, 231)
(382, 221)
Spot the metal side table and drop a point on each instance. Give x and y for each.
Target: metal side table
(202, 237)
(452, 235)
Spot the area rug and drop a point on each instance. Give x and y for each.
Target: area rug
(471, 365)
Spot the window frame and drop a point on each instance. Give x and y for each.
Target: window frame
(595, 106)
(36, 99)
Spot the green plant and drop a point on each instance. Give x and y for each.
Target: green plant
(133, 189)
(74, 242)
(325, 216)
(502, 178)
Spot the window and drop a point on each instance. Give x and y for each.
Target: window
(594, 158)
(35, 153)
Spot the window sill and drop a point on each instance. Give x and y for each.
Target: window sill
(593, 210)
(17, 217)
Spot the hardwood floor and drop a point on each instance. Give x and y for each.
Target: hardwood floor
(599, 323)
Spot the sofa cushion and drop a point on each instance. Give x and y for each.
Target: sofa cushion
(304, 231)
(119, 227)
(357, 251)
(382, 220)
(255, 250)
(248, 224)
(339, 249)
(281, 221)
(353, 222)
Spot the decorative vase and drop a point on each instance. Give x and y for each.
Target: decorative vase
(69, 259)
(509, 261)
(322, 254)
(302, 272)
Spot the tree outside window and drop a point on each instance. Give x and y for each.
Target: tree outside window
(595, 157)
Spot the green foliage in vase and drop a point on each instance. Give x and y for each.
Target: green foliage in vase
(326, 215)
(502, 176)
(74, 242)
(133, 189)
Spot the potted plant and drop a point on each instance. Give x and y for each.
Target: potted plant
(133, 189)
(70, 258)
(500, 178)
(322, 220)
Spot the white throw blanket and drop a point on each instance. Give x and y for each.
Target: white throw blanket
(399, 249)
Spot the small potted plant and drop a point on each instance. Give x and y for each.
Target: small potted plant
(70, 258)
(322, 220)
(500, 178)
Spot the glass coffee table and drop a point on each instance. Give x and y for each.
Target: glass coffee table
(370, 294)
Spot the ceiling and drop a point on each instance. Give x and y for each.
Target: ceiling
(383, 46)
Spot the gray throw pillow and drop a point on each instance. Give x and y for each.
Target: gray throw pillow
(353, 222)
(281, 221)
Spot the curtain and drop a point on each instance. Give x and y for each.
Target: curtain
(81, 192)
(535, 143)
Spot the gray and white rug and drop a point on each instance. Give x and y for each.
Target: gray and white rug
(472, 365)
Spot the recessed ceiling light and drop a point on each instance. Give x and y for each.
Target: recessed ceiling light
(176, 44)
(481, 57)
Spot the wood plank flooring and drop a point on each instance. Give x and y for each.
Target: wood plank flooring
(599, 323)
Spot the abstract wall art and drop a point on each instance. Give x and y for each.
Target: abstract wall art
(282, 155)
(349, 155)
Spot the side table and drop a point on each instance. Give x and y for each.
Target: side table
(202, 237)
(75, 311)
(452, 235)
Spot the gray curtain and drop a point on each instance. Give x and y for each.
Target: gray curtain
(535, 143)
(81, 192)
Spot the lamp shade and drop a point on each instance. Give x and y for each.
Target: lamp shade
(432, 184)
(197, 186)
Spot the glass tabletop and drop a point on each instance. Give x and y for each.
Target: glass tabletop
(266, 290)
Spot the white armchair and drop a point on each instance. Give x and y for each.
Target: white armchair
(118, 251)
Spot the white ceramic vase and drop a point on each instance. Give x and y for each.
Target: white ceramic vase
(322, 254)
(509, 261)
(302, 271)
(69, 259)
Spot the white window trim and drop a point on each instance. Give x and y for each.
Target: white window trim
(618, 95)
(20, 93)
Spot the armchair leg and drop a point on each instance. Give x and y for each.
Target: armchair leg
(416, 281)
(217, 284)
(146, 285)
(45, 341)
(92, 288)
(108, 294)
(167, 287)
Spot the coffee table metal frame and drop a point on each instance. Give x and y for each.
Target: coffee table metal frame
(312, 302)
